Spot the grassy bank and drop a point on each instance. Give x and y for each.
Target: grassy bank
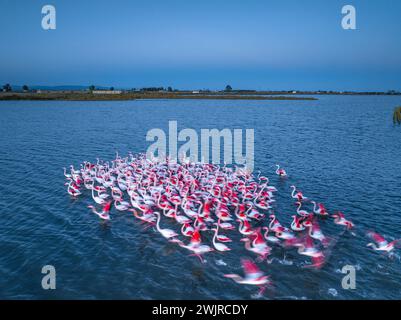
(87, 96)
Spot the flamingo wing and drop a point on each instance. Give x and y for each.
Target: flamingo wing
(223, 238)
(308, 242)
(377, 238)
(396, 243)
(196, 236)
(250, 268)
(317, 262)
(107, 206)
(104, 216)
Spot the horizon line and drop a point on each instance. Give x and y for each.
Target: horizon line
(162, 87)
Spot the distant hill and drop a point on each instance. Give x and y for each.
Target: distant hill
(57, 88)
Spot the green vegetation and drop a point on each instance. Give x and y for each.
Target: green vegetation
(153, 89)
(228, 88)
(25, 88)
(7, 87)
(397, 115)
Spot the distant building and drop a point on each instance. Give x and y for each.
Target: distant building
(195, 91)
(106, 91)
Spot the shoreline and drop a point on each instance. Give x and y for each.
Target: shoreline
(14, 96)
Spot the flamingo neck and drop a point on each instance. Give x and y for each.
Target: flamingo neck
(200, 207)
(310, 231)
(158, 222)
(266, 234)
(241, 225)
(215, 236)
(237, 278)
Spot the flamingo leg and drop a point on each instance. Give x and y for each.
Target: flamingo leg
(259, 294)
(146, 227)
(199, 256)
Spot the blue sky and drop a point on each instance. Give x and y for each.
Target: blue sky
(192, 44)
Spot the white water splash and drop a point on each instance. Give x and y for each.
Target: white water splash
(220, 262)
(333, 292)
(286, 262)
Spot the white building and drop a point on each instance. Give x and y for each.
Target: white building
(106, 91)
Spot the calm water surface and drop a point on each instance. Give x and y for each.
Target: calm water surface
(340, 150)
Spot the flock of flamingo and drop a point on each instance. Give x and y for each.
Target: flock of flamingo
(203, 198)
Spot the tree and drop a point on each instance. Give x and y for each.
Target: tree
(228, 88)
(92, 87)
(25, 88)
(111, 88)
(7, 87)
(169, 89)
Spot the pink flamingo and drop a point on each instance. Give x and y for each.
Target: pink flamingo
(187, 230)
(299, 196)
(261, 251)
(307, 248)
(320, 210)
(166, 233)
(272, 239)
(381, 244)
(280, 172)
(195, 245)
(296, 224)
(121, 205)
(104, 214)
(315, 232)
(73, 189)
(302, 213)
(218, 245)
(339, 219)
(274, 225)
(97, 199)
(145, 217)
(245, 227)
(253, 276)
(220, 237)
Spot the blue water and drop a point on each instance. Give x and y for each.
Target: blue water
(340, 150)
